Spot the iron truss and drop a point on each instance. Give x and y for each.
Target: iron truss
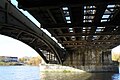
(15, 24)
(78, 23)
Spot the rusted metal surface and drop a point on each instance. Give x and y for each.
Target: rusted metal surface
(91, 21)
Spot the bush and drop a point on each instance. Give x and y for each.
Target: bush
(7, 63)
(2, 63)
(66, 71)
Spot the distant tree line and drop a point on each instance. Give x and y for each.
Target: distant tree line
(35, 61)
(116, 56)
(7, 63)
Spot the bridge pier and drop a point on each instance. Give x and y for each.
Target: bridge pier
(91, 59)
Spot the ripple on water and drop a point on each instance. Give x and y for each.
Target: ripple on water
(116, 77)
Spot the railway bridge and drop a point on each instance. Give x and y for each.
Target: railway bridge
(87, 30)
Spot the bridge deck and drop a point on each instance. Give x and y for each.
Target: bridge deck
(78, 23)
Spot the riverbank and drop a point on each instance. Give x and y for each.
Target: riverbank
(52, 71)
(58, 68)
(64, 76)
(7, 63)
(10, 63)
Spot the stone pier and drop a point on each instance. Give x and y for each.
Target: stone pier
(91, 60)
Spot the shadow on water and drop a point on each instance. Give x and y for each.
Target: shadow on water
(79, 76)
(104, 76)
(116, 77)
(46, 75)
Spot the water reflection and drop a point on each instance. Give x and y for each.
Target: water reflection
(116, 77)
(64, 76)
(79, 76)
(101, 76)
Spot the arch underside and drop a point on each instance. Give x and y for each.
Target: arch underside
(15, 24)
(28, 38)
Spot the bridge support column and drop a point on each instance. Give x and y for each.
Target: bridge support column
(89, 59)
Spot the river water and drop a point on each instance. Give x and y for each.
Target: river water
(19, 73)
(33, 73)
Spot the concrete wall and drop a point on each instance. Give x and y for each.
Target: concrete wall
(90, 60)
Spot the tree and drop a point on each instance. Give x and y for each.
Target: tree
(22, 59)
(35, 60)
(116, 56)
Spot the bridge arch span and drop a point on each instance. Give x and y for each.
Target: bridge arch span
(15, 24)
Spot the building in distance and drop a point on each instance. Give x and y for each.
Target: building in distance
(8, 59)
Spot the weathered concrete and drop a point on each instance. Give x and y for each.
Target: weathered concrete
(91, 60)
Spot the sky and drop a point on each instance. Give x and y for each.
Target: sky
(15, 48)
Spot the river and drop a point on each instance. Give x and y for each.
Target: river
(19, 73)
(33, 73)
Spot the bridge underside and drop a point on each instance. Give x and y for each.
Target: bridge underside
(78, 24)
(16, 25)
(86, 29)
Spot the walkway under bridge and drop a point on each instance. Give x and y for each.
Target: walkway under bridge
(87, 30)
